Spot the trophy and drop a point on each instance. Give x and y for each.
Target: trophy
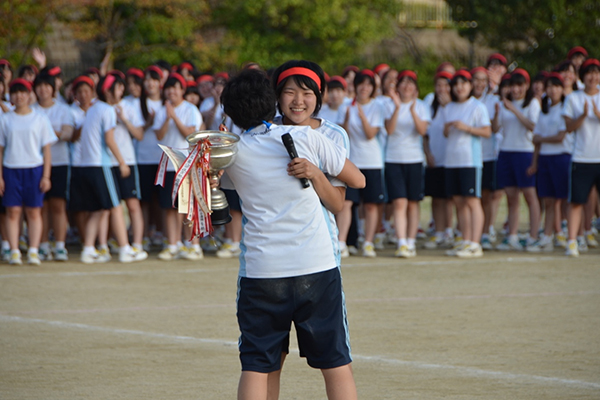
(209, 153)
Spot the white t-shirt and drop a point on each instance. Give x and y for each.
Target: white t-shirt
(463, 150)
(428, 99)
(405, 144)
(549, 125)
(147, 150)
(329, 114)
(489, 146)
(587, 137)
(122, 136)
(189, 115)
(437, 140)
(516, 137)
(285, 231)
(59, 114)
(8, 105)
(78, 118)
(99, 119)
(207, 104)
(24, 137)
(366, 153)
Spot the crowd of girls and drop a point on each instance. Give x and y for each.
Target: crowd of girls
(72, 153)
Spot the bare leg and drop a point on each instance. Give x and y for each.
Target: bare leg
(137, 220)
(550, 217)
(58, 209)
(372, 218)
(253, 386)
(512, 196)
(119, 229)
(92, 227)
(344, 220)
(534, 211)
(13, 222)
(339, 383)
(34, 223)
(476, 216)
(273, 381)
(464, 218)
(574, 220)
(412, 215)
(400, 218)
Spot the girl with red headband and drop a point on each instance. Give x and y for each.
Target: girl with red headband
(517, 116)
(552, 158)
(582, 116)
(434, 144)
(54, 211)
(334, 110)
(173, 123)
(134, 84)
(490, 195)
(26, 136)
(99, 181)
(364, 119)
(404, 157)
(466, 121)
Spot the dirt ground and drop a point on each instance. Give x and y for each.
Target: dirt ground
(507, 326)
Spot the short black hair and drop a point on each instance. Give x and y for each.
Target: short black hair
(163, 65)
(45, 78)
(301, 80)
(361, 77)
(335, 84)
(248, 99)
(584, 70)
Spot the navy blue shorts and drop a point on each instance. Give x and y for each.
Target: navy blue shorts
(553, 176)
(435, 182)
(98, 188)
(465, 182)
(488, 179)
(22, 187)
(315, 304)
(511, 170)
(164, 193)
(233, 199)
(404, 181)
(147, 174)
(129, 187)
(76, 197)
(584, 177)
(373, 192)
(353, 195)
(61, 179)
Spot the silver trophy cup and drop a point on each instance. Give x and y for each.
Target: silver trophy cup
(223, 149)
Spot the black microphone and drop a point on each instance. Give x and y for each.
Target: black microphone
(288, 142)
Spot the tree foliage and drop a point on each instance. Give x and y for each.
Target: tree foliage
(537, 34)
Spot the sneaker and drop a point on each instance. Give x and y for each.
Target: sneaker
(15, 259)
(591, 240)
(492, 235)
(458, 246)
(486, 243)
(582, 244)
(560, 240)
(88, 258)
(6, 255)
(510, 244)
(369, 251)
(189, 253)
(533, 246)
(209, 243)
(113, 246)
(227, 250)
(379, 240)
(572, 250)
(45, 255)
(431, 243)
(33, 259)
(61, 255)
(167, 255)
(103, 256)
(344, 251)
(146, 244)
(421, 234)
(405, 252)
(23, 244)
(352, 250)
(133, 256)
(546, 243)
(473, 250)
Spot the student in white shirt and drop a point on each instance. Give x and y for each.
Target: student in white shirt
(26, 136)
(406, 125)
(134, 80)
(334, 110)
(582, 116)
(517, 116)
(466, 121)
(54, 211)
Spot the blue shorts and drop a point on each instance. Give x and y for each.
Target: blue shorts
(553, 176)
(61, 179)
(22, 187)
(129, 187)
(99, 189)
(584, 177)
(404, 181)
(465, 182)
(511, 169)
(315, 304)
(373, 192)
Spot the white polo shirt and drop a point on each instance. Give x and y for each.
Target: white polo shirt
(59, 114)
(285, 228)
(549, 125)
(99, 119)
(122, 136)
(437, 140)
(489, 146)
(147, 150)
(516, 137)
(587, 137)
(366, 153)
(405, 144)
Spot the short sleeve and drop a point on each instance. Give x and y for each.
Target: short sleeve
(3, 130)
(482, 117)
(569, 108)
(332, 156)
(423, 111)
(159, 118)
(134, 114)
(377, 115)
(534, 109)
(48, 135)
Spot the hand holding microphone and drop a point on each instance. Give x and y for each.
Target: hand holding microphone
(288, 142)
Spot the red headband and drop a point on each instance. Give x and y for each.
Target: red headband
(300, 71)
(349, 68)
(499, 57)
(21, 81)
(590, 61)
(381, 67)
(407, 72)
(54, 71)
(5, 62)
(464, 74)
(479, 69)
(179, 78)
(108, 82)
(368, 72)
(118, 73)
(155, 69)
(93, 70)
(205, 78)
(187, 66)
(83, 79)
(136, 72)
(506, 77)
(575, 50)
(191, 84)
(557, 76)
(444, 65)
(341, 80)
(223, 75)
(523, 73)
(443, 74)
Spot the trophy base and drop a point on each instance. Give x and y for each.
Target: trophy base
(220, 217)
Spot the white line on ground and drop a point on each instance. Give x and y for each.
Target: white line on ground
(468, 371)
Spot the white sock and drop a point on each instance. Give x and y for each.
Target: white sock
(402, 242)
(89, 250)
(5, 245)
(173, 248)
(32, 250)
(411, 243)
(125, 249)
(45, 247)
(59, 245)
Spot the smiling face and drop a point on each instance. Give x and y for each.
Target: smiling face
(407, 88)
(297, 103)
(364, 91)
(84, 95)
(592, 78)
(462, 89)
(20, 99)
(133, 88)
(152, 86)
(44, 92)
(442, 88)
(174, 94)
(480, 83)
(518, 90)
(568, 76)
(554, 92)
